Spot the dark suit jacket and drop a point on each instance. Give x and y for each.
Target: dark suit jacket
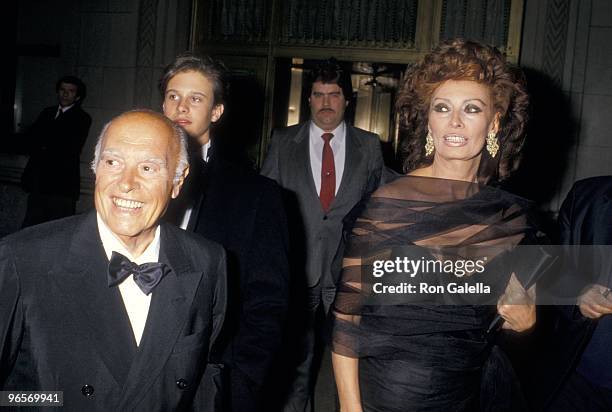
(62, 327)
(315, 233)
(586, 215)
(243, 212)
(55, 147)
(585, 218)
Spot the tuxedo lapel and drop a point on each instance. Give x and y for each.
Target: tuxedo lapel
(190, 195)
(168, 313)
(94, 307)
(200, 190)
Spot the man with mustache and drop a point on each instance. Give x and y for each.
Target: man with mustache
(111, 307)
(241, 210)
(327, 166)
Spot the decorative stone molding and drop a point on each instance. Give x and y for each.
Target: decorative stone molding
(147, 24)
(557, 15)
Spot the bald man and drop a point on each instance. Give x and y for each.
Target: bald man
(113, 309)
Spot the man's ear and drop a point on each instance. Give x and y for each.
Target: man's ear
(176, 187)
(217, 112)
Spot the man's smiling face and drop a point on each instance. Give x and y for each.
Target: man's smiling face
(134, 176)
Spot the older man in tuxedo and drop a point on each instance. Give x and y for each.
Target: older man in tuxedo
(327, 166)
(112, 308)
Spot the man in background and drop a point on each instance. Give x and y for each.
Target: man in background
(241, 210)
(327, 166)
(52, 175)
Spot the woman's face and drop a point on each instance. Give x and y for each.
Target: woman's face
(461, 115)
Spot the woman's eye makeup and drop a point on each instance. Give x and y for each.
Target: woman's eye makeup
(472, 108)
(441, 107)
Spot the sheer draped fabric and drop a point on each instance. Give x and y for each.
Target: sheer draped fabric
(422, 356)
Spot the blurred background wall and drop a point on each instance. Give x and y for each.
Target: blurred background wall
(119, 47)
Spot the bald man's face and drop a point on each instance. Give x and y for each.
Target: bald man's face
(134, 177)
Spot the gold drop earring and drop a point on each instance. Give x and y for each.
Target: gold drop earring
(492, 144)
(429, 144)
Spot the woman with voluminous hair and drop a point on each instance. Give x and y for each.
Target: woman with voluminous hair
(463, 112)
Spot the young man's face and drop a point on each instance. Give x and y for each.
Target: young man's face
(189, 102)
(67, 94)
(327, 105)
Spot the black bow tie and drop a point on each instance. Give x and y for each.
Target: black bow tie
(146, 276)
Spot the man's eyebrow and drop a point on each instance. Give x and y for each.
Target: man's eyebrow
(110, 152)
(176, 91)
(156, 160)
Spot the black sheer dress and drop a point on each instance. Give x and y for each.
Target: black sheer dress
(423, 356)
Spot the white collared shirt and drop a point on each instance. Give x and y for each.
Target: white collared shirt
(338, 145)
(135, 301)
(205, 148)
(187, 215)
(63, 109)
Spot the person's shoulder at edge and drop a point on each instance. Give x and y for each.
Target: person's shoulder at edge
(46, 114)
(50, 109)
(40, 245)
(597, 184)
(39, 234)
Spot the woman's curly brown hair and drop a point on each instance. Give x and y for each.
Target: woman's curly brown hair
(460, 59)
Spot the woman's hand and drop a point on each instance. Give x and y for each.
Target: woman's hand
(517, 306)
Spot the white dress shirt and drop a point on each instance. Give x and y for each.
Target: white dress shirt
(338, 145)
(187, 215)
(62, 109)
(135, 301)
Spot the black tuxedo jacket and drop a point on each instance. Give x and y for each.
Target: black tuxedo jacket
(63, 329)
(243, 212)
(55, 147)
